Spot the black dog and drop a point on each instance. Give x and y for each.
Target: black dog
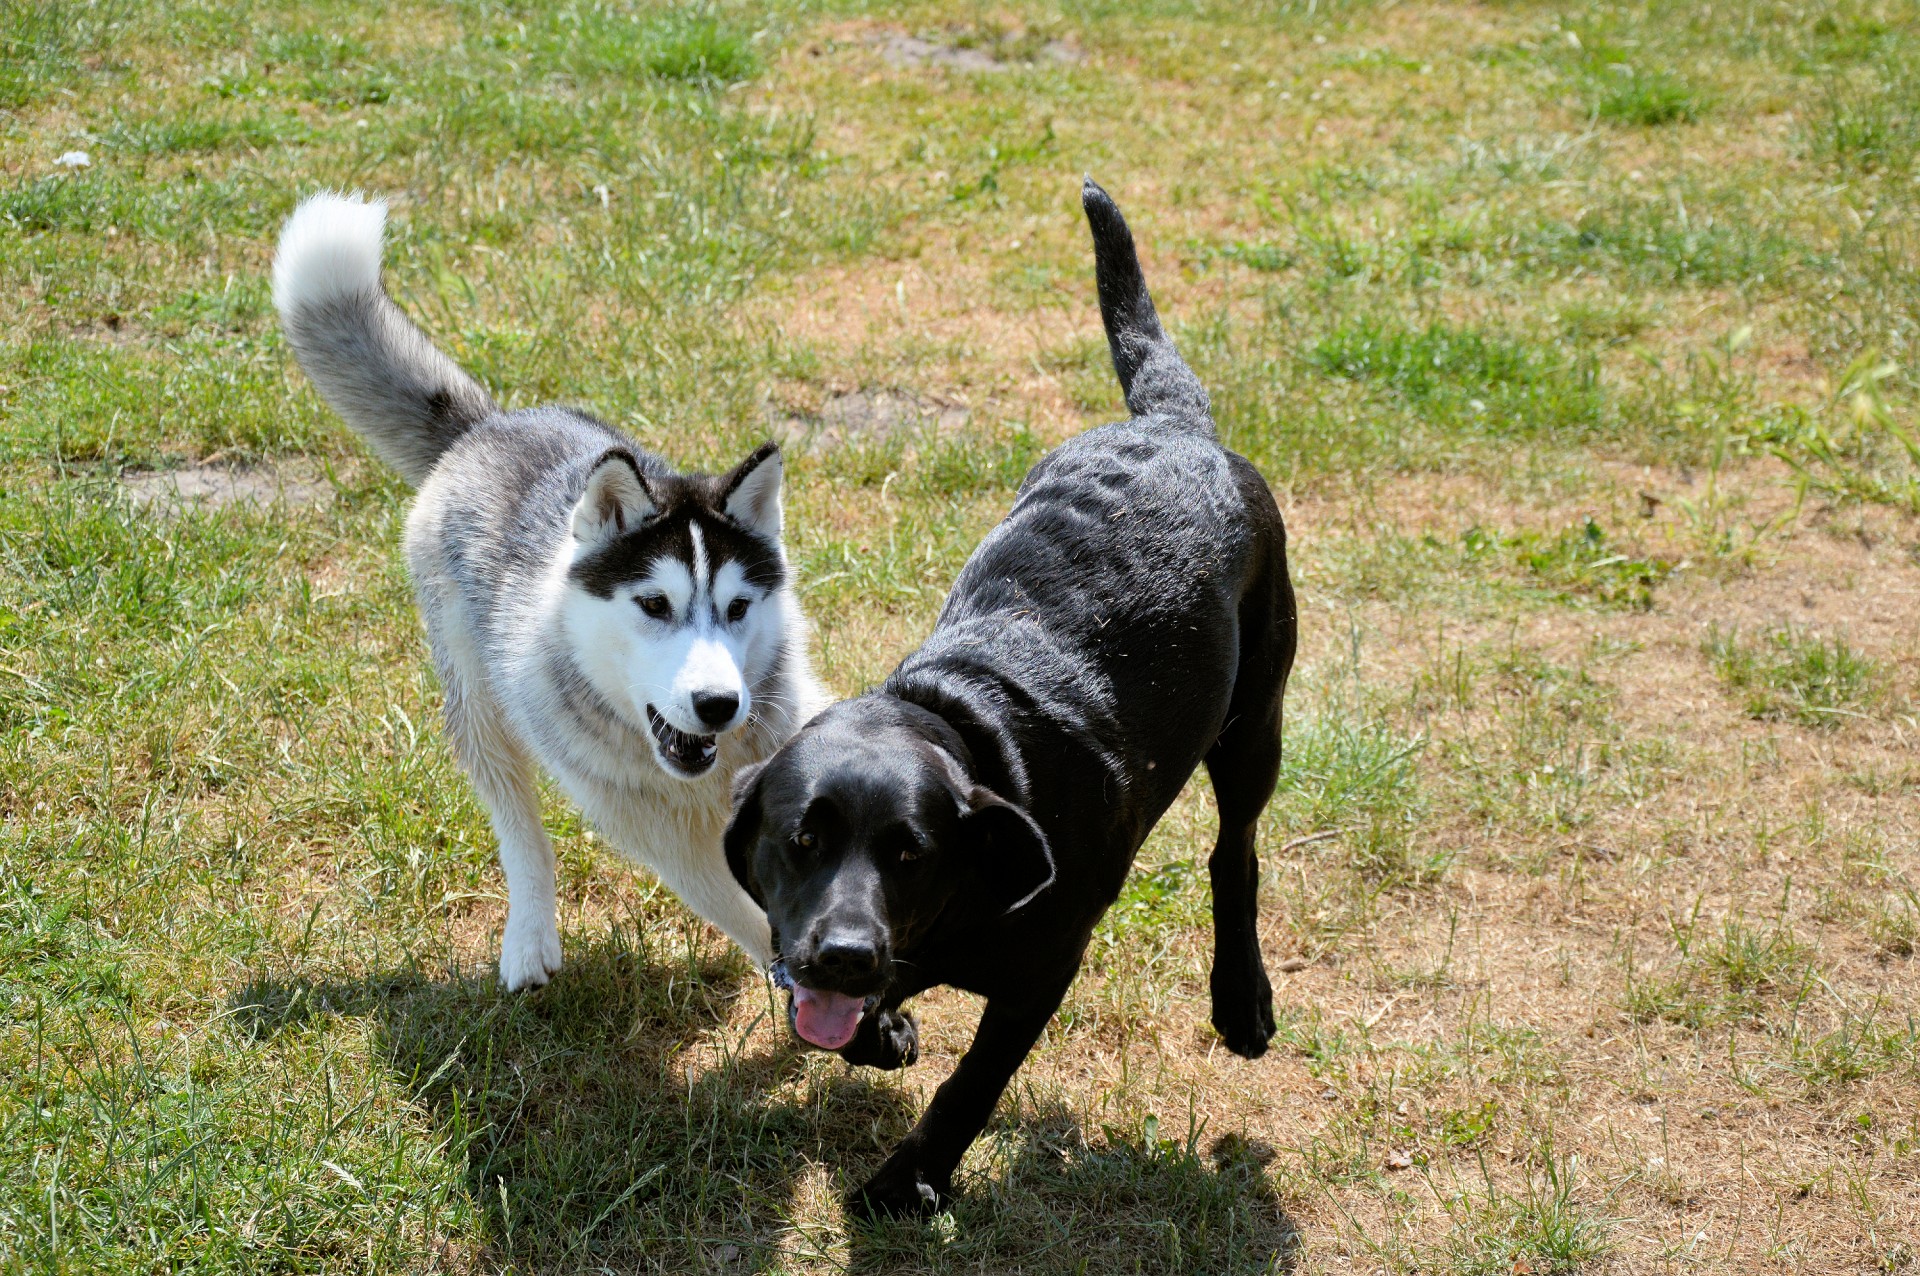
(970, 821)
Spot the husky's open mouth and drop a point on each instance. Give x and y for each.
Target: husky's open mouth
(690, 755)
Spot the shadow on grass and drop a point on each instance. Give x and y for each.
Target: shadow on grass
(1129, 1201)
(587, 1147)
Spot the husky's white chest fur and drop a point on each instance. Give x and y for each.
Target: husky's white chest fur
(629, 630)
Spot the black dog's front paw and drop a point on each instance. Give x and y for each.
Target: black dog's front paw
(1243, 1012)
(898, 1191)
(887, 1039)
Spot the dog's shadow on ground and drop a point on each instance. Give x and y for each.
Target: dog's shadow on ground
(599, 1129)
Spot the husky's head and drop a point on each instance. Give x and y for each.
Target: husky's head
(675, 598)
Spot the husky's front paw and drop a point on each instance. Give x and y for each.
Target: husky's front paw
(529, 953)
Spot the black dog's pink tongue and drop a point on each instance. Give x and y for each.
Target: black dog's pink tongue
(827, 1019)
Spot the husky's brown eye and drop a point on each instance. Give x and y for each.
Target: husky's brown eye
(805, 840)
(655, 605)
(736, 611)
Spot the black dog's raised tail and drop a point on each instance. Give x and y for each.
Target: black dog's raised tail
(1153, 376)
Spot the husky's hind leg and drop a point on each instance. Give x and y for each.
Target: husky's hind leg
(504, 778)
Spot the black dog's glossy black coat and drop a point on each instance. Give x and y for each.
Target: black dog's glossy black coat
(969, 822)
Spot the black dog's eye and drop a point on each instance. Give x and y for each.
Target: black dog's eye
(736, 611)
(911, 851)
(655, 605)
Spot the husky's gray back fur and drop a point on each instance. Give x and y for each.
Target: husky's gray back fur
(488, 542)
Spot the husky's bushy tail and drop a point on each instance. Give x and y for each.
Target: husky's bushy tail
(380, 372)
(1153, 376)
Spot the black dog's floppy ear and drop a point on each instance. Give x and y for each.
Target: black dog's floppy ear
(744, 827)
(750, 495)
(616, 501)
(1015, 860)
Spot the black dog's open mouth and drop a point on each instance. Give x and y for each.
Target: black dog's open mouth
(828, 1020)
(688, 754)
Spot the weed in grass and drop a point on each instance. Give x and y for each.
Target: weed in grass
(1790, 675)
(1357, 778)
(698, 47)
(1749, 959)
(1869, 455)
(1662, 242)
(42, 41)
(1859, 1048)
(1575, 563)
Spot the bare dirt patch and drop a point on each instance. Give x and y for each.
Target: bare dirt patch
(294, 483)
(1004, 53)
(866, 416)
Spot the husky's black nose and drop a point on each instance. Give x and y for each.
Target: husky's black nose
(846, 957)
(715, 710)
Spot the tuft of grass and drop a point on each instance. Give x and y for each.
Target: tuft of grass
(1656, 242)
(42, 42)
(1867, 124)
(1790, 675)
(1357, 777)
(697, 48)
(1722, 976)
(1895, 927)
(1537, 1227)
(1645, 99)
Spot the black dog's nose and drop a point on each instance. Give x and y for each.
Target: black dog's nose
(844, 955)
(715, 710)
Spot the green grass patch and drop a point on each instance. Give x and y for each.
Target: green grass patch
(1643, 99)
(1787, 674)
(1476, 380)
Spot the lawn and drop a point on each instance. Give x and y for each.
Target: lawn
(1580, 344)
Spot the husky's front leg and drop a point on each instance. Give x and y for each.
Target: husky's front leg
(504, 779)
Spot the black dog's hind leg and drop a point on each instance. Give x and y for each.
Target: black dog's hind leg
(888, 1038)
(918, 1177)
(1244, 765)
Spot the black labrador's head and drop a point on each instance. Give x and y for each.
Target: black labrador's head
(859, 835)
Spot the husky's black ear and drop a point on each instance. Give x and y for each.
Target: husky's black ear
(743, 828)
(750, 495)
(1015, 861)
(617, 499)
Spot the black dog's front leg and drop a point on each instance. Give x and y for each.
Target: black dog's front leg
(918, 1177)
(888, 1038)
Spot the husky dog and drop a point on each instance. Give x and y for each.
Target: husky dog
(631, 630)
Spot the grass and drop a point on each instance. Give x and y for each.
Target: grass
(1807, 678)
(1577, 343)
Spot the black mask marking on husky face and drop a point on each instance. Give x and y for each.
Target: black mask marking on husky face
(736, 512)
